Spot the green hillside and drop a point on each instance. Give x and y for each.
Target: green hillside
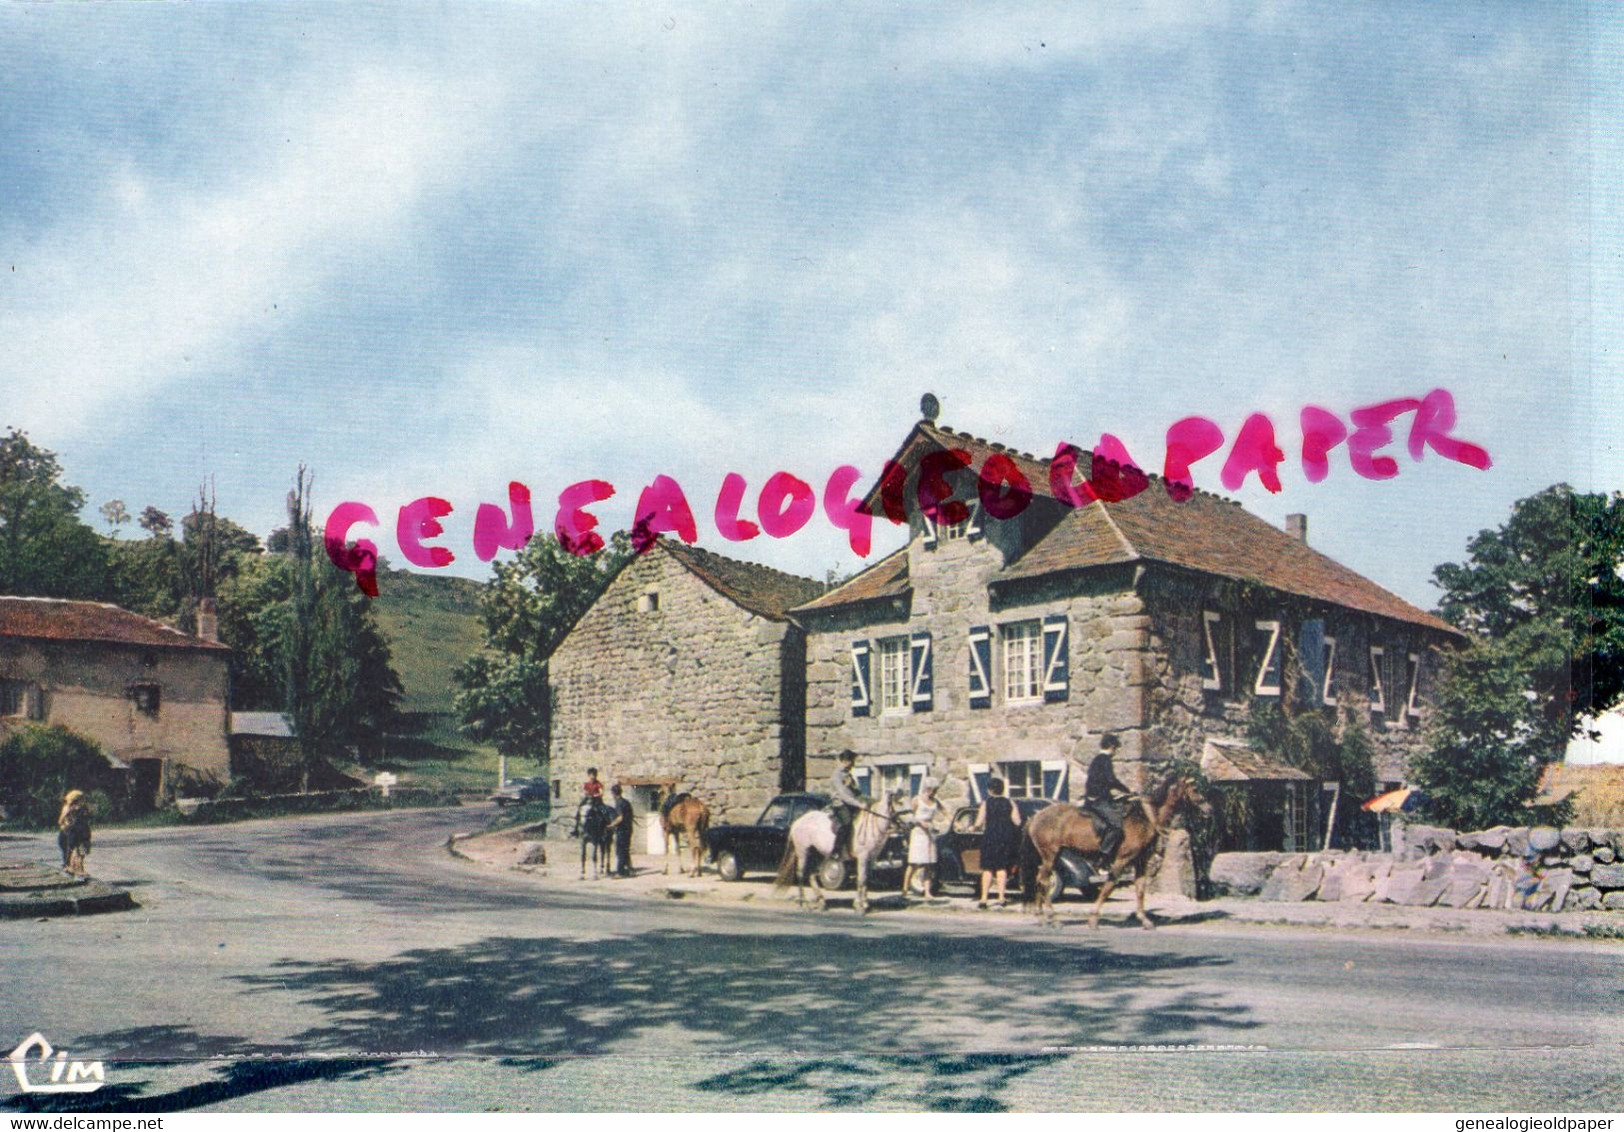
(432, 622)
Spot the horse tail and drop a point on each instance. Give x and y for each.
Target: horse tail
(1030, 863)
(702, 828)
(786, 867)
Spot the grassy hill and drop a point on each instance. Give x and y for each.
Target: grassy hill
(432, 622)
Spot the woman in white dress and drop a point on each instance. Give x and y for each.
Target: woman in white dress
(922, 838)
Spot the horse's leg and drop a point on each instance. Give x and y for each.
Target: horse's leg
(666, 831)
(1105, 890)
(860, 902)
(1139, 884)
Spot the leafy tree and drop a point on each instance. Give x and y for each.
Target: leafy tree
(38, 765)
(115, 514)
(156, 523)
(527, 608)
(45, 550)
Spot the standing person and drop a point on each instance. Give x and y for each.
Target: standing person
(922, 838)
(1000, 822)
(73, 836)
(845, 800)
(1102, 798)
(621, 823)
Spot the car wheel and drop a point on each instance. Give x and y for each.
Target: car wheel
(727, 865)
(1057, 885)
(832, 873)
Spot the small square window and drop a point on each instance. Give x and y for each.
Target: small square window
(649, 602)
(148, 698)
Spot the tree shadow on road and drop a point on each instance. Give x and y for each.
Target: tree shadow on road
(834, 1019)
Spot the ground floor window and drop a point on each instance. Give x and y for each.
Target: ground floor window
(1022, 779)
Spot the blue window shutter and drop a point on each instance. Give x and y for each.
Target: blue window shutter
(919, 645)
(980, 667)
(916, 779)
(1311, 656)
(979, 773)
(972, 528)
(1055, 774)
(929, 522)
(1056, 658)
(859, 678)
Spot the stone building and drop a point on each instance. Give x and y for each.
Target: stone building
(687, 672)
(1011, 646)
(154, 698)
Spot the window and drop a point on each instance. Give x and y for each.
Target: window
(1023, 662)
(777, 814)
(1378, 678)
(147, 698)
(894, 683)
(949, 532)
(1212, 669)
(1269, 666)
(14, 698)
(1022, 779)
(1328, 686)
(1412, 681)
(649, 602)
(898, 776)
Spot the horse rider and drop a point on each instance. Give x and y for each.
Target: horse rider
(845, 800)
(591, 795)
(1103, 795)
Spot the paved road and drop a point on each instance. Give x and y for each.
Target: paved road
(348, 963)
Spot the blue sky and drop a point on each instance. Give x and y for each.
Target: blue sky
(428, 248)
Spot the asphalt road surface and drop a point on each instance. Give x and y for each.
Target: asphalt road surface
(342, 963)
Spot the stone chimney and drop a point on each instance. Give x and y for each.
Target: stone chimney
(208, 621)
(1297, 527)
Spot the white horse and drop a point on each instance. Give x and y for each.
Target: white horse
(814, 830)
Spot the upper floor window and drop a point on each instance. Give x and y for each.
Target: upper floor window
(1023, 662)
(894, 681)
(649, 601)
(147, 697)
(1378, 678)
(1270, 662)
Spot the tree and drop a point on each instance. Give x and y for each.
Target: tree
(155, 522)
(45, 550)
(115, 514)
(527, 608)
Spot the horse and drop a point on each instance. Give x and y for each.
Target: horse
(594, 832)
(814, 830)
(1063, 826)
(684, 813)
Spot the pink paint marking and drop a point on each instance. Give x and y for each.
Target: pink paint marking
(935, 493)
(1431, 428)
(574, 525)
(1004, 491)
(419, 520)
(493, 532)
(1062, 482)
(893, 483)
(1372, 434)
(733, 528)
(1188, 440)
(785, 505)
(359, 558)
(1322, 431)
(1114, 473)
(1255, 451)
(847, 513)
(662, 508)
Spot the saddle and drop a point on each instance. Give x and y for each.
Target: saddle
(672, 802)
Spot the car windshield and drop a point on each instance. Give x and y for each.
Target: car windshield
(776, 813)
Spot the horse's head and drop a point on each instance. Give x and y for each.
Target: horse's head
(1180, 792)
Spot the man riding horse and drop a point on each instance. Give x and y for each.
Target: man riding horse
(1103, 795)
(845, 800)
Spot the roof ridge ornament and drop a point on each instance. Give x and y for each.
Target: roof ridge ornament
(929, 408)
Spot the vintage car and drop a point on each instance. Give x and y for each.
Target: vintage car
(959, 855)
(520, 790)
(738, 849)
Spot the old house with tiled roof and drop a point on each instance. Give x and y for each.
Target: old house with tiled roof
(1010, 646)
(154, 698)
(686, 672)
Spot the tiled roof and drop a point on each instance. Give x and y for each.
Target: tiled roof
(886, 578)
(270, 724)
(1236, 762)
(927, 436)
(53, 619)
(760, 589)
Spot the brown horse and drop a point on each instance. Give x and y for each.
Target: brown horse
(687, 815)
(1064, 826)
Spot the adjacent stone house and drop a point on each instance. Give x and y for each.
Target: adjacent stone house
(1011, 646)
(687, 672)
(154, 698)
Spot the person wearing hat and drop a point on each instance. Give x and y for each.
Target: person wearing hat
(1102, 798)
(922, 838)
(845, 800)
(73, 831)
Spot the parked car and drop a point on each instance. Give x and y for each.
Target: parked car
(520, 790)
(959, 855)
(759, 847)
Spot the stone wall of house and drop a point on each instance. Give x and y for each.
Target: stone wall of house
(87, 687)
(1109, 641)
(691, 690)
(1183, 714)
(1506, 868)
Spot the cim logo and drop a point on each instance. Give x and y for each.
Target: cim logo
(65, 1076)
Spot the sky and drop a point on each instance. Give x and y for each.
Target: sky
(426, 249)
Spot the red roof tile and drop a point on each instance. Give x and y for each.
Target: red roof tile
(886, 578)
(53, 619)
(760, 589)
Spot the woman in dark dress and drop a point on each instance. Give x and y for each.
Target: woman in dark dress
(1000, 822)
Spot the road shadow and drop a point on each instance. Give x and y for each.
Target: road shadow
(835, 1019)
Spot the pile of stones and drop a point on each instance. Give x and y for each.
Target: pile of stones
(1538, 869)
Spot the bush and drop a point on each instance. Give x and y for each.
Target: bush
(38, 765)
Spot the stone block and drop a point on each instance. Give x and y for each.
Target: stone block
(1558, 882)
(531, 853)
(1434, 883)
(1607, 876)
(1403, 884)
(1575, 840)
(1544, 838)
(1242, 874)
(1603, 854)
(1581, 863)
(1583, 898)
(1516, 842)
(1466, 883)
(1296, 885)
(1613, 901)
(1490, 840)
(1175, 871)
(1357, 882)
